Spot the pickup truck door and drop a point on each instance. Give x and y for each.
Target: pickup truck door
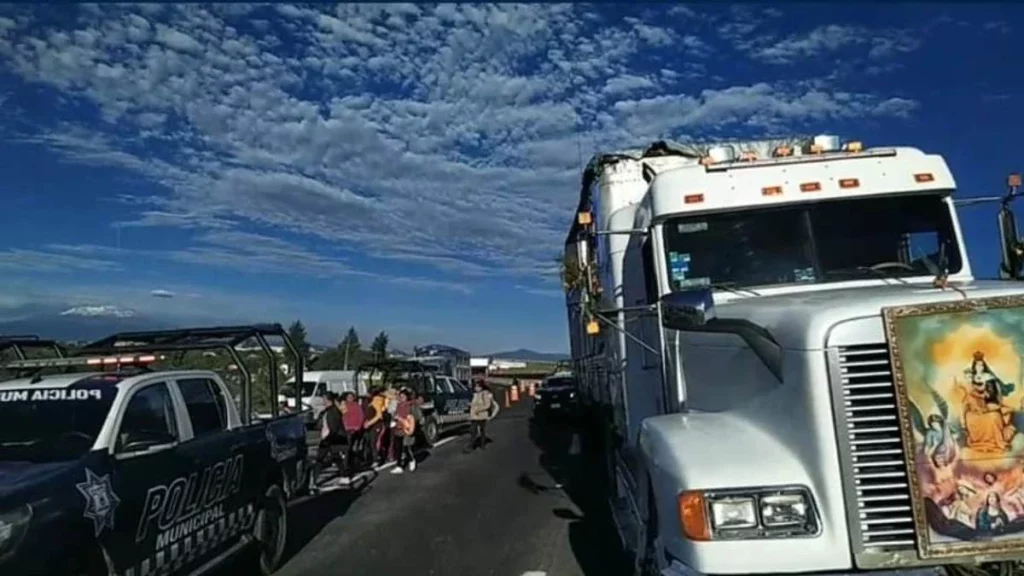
(455, 398)
(144, 463)
(221, 465)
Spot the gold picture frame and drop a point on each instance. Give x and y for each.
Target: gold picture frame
(961, 418)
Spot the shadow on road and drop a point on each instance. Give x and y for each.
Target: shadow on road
(310, 515)
(592, 534)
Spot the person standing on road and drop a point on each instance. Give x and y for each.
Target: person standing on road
(332, 434)
(375, 410)
(405, 432)
(352, 419)
(481, 409)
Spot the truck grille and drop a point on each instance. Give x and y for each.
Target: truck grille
(884, 519)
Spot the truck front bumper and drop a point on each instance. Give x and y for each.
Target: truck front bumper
(677, 568)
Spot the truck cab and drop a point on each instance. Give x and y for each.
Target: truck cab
(727, 311)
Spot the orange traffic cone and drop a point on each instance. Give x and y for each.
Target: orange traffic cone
(533, 388)
(515, 393)
(508, 400)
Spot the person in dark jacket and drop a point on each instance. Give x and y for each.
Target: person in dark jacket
(332, 439)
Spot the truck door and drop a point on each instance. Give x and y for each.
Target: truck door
(221, 464)
(145, 462)
(457, 398)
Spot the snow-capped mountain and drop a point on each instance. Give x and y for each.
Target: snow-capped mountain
(107, 311)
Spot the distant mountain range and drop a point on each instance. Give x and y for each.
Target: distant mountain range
(527, 355)
(81, 323)
(89, 323)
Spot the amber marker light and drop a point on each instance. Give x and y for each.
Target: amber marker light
(693, 516)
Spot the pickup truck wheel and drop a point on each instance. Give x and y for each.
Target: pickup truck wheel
(431, 430)
(271, 530)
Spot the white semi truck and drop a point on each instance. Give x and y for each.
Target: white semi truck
(726, 330)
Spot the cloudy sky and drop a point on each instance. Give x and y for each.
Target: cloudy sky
(414, 167)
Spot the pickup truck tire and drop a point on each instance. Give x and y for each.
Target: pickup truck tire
(431, 430)
(271, 530)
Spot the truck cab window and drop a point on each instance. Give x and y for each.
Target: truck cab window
(204, 409)
(828, 241)
(148, 420)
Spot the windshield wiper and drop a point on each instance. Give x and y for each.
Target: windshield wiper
(875, 270)
(731, 287)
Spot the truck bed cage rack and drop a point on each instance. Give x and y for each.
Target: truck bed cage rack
(123, 346)
(225, 338)
(18, 343)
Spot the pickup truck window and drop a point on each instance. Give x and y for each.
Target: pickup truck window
(205, 405)
(445, 385)
(149, 420)
(52, 424)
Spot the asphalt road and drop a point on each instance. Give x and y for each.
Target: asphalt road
(496, 512)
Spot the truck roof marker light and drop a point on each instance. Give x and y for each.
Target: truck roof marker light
(849, 183)
(584, 218)
(693, 516)
(593, 328)
(854, 147)
(771, 191)
(1013, 181)
(810, 187)
(706, 161)
(782, 151)
(693, 199)
(816, 148)
(748, 156)
(924, 177)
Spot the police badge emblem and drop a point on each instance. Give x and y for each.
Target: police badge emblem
(100, 500)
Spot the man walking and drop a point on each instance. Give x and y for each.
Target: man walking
(332, 438)
(481, 409)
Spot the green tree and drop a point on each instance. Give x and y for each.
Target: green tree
(351, 348)
(297, 333)
(379, 347)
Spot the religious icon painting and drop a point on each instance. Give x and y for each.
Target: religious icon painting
(958, 368)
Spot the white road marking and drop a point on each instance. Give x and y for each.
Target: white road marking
(535, 573)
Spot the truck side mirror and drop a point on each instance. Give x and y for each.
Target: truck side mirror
(1013, 255)
(687, 309)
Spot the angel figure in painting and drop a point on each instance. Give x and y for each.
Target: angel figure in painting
(986, 420)
(940, 441)
(991, 515)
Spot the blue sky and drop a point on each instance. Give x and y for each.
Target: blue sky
(414, 168)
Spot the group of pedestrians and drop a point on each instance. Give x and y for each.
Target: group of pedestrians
(356, 434)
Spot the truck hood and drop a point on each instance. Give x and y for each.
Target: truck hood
(801, 321)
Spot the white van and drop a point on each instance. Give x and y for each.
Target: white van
(314, 384)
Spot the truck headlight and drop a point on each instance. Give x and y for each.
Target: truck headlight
(729, 513)
(13, 525)
(787, 512)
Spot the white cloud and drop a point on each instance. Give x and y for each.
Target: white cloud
(446, 136)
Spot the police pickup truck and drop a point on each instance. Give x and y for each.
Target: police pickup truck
(128, 471)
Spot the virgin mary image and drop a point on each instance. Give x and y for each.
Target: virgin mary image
(986, 421)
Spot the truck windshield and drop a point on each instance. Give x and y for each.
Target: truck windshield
(827, 241)
(52, 424)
